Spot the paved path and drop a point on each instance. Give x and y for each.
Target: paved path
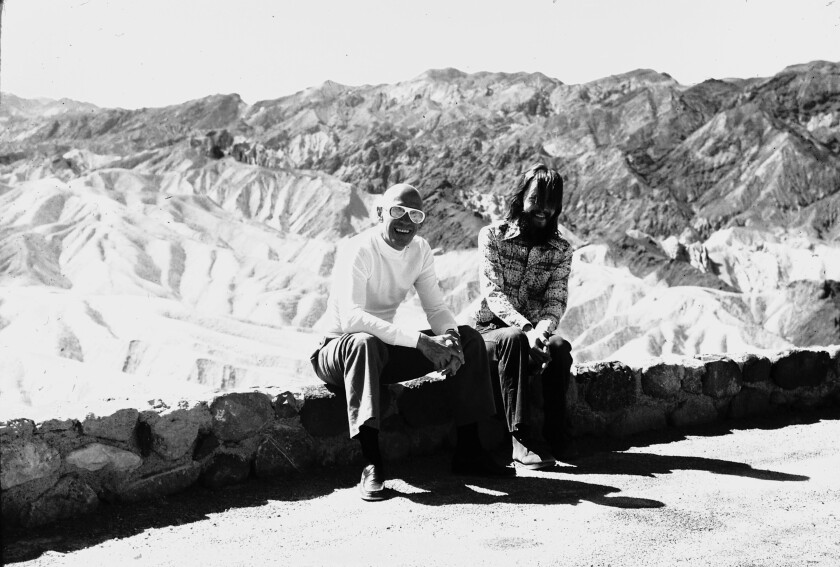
(764, 493)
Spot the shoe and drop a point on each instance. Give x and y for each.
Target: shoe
(562, 444)
(479, 464)
(566, 451)
(372, 485)
(530, 454)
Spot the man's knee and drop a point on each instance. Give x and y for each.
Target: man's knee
(512, 337)
(469, 335)
(366, 344)
(560, 349)
(559, 344)
(471, 341)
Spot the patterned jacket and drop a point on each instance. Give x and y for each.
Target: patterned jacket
(522, 284)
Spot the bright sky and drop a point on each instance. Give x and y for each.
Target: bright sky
(132, 53)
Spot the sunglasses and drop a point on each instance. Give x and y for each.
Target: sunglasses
(398, 211)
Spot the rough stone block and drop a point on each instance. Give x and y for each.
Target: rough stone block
(286, 406)
(23, 460)
(65, 436)
(205, 446)
(424, 401)
(323, 413)
(337, 450)
(722, 406)
(97, 456)
(809, 400)
(283, 450)
(779, 398)
(240, 415)
(608, 386)
(662, 380)
(692, 382)
(119, 426)
(834, 353)
(749, 401)
(247, 447)
(694, 411)
(638, 419)
(16, 500)
(226, 469)
(17, 429)
(11, 508)
(68, 498)
(154, 464)
(722, 378)
(53, 425)
(833, 374)
(160, 484)
(583, 421)
(800, 369)
(755, 369)
(173, 434)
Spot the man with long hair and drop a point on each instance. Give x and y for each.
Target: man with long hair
(524, 277)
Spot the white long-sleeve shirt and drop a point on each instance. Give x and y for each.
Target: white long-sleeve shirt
(371, 280)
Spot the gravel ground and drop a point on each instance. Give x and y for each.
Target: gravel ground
(763, 492)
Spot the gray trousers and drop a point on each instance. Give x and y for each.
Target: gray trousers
(361, 363)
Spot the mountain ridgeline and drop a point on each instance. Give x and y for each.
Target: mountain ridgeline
(196, 242)
(638, 150)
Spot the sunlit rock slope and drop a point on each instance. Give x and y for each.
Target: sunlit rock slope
(191, 246)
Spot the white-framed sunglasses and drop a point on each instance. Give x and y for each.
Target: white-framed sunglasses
(398, 211)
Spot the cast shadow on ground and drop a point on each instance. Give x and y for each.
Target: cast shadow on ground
(604, 457)
(647, 464)
(447, 489)
(783, 418)
(122, 520)
(607, 457)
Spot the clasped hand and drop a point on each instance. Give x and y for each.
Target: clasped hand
(538, 341)
(444, 351)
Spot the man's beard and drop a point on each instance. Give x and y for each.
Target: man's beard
(536, 234)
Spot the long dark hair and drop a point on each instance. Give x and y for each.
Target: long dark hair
(549, 187)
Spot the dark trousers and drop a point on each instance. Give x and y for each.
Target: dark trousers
(360, 363)
(509, 354)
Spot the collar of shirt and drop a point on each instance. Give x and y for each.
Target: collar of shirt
(384, 248)
(510, 230)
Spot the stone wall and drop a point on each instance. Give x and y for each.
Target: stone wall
(62, 468)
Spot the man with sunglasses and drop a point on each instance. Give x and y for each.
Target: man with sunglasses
(364, 349)
(524, 276)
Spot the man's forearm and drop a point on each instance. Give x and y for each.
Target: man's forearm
(359, 321)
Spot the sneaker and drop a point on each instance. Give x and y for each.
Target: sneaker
(372, 485)
(530, 454)
(479, 464)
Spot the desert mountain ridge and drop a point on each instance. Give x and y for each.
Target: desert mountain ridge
(194, 243)
(638, 150)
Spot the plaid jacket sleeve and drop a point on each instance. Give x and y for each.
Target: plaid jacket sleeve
(491, 280)
(557, 293)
